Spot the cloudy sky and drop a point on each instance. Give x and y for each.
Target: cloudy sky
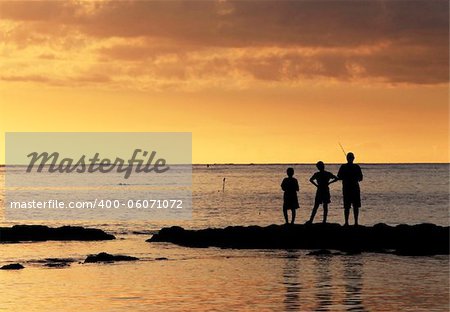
(255, 81)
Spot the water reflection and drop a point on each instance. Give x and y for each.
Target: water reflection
(324, 280)
(353, 279)
(323, 283)
(291, 281)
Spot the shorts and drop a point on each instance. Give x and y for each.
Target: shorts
(290, 201)
(352, 197)
(322, 197)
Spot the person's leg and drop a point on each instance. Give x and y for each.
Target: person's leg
(293, 216)
(285, 216)
(356, 214)
(325, 212)
(313, 212)
(347, 206)
(346, 214)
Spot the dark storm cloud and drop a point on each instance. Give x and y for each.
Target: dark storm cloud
(413, 34)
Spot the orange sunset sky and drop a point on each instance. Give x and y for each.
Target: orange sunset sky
(254, 81)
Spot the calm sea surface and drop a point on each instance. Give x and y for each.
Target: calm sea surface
(262, 280)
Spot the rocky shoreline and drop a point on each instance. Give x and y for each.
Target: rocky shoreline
(23, 233)
(415, 240)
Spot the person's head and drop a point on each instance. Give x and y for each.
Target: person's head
(290, 172)
(320, 165)
(350, 158)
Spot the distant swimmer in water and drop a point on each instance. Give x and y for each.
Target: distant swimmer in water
(351, 175)
(322, 179)
(290, 200)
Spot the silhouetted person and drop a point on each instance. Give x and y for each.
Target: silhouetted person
(351, 175)
(290, 200)
(321, 180)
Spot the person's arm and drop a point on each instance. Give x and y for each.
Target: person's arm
(283, 185)
(333, 179)
(339, 175)
(312, 180)
(296, 185)
(360, 178)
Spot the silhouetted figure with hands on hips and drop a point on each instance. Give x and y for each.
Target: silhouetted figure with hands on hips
(321, 179)
(351, 175)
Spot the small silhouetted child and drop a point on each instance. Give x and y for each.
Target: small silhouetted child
(290, 200)
(321, 180)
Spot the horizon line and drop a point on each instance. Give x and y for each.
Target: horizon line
(297, 163)
(328, 163)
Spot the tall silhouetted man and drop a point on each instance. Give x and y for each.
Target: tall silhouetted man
(351, 175)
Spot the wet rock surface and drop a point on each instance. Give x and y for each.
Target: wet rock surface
(12, 266)
(106, 257)
(412, 240)
(21, 233)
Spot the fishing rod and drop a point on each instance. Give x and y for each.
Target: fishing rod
(342, 148)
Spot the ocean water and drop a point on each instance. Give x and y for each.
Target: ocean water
(258, 280)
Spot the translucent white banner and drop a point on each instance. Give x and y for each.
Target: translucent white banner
(98, 176)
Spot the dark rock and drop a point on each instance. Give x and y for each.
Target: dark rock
(106, 257)
(19, 233)
(54, 260)
(12, 266)
(421, 239)
(357, 251)
(57, 262)
(320, 252)
(161, 258)
(142, 232)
